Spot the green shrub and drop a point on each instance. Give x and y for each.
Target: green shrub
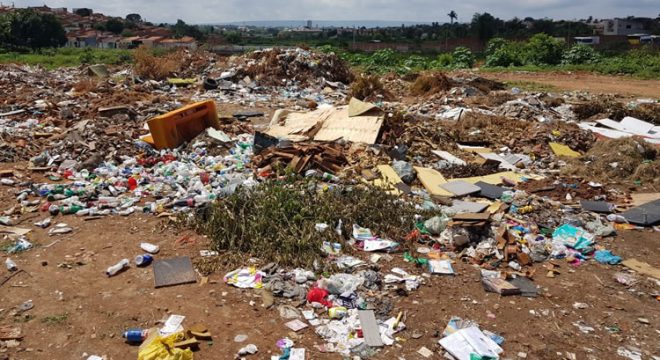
(580, 54)
(504, 53)
(542, 49)
(462, 58)
(87, 57)
(443, 60)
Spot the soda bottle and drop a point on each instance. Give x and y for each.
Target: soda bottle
(116, 268)
(70, 209)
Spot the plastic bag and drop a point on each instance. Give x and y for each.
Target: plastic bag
(157, 347)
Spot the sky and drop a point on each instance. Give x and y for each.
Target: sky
(223, 11)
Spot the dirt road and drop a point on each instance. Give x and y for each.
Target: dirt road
(594, 83)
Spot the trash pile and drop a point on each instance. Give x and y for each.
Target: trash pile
(336, 209)
(273, 67)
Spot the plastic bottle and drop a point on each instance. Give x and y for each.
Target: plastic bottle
(70, 209)
(11, 265)
(116, 268)
(150, 248)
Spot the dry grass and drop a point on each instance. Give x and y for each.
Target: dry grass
(616, 110)
(149, 66)
(428, 84)
(618, 160)
(368, 88)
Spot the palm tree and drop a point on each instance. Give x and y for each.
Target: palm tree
(452, 16)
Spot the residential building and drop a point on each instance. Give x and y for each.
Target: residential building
(622, 26)
(186, 42)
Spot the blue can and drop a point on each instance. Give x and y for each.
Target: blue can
(143, 260)
(135, 335)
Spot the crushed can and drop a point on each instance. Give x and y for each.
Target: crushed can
(135, 336)
(143, 260)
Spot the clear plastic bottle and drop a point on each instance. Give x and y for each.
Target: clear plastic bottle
(116, 268)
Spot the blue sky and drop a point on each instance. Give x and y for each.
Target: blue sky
(216, 11)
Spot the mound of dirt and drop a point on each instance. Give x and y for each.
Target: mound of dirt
(615, 110)
(304, 67)
(428, 84)
(618, 160)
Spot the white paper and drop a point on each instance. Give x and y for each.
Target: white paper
(172, 325)
(297, 354)
(468, 341)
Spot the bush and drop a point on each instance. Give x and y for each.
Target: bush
(462, 58)
(275, 222)
(87, 57)
(504, 53)
(416, 62)
(542, 49)
(580, 54)
(443, 60)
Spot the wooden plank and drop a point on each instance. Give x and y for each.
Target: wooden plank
(472, 216)
(370, 328)
(642, 268)
(432, 179)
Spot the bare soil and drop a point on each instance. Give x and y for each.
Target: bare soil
(584, 81)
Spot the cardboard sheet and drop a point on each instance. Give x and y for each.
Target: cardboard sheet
(358, 122)
(432, 179)
(388, 180)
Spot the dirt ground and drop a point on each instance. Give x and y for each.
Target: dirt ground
(79, 310)
(583, 81)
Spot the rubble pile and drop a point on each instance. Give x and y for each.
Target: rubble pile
(278, 67)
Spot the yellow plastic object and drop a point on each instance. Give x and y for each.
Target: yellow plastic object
(157, 347)
(172, 129)
(563, 150)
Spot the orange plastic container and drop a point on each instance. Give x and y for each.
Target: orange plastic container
(172, 129)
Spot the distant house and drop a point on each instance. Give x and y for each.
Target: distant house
(185, 42)
(151, 41)
(109, 42)
(82, 39)
(622, 26)
(130, 42)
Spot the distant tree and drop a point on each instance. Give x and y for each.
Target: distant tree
(114, 25)
(452, 16)
(182, 29)
(28, 29)
(484, 26)
(134, 18)
(233, 37)
(83, 12)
